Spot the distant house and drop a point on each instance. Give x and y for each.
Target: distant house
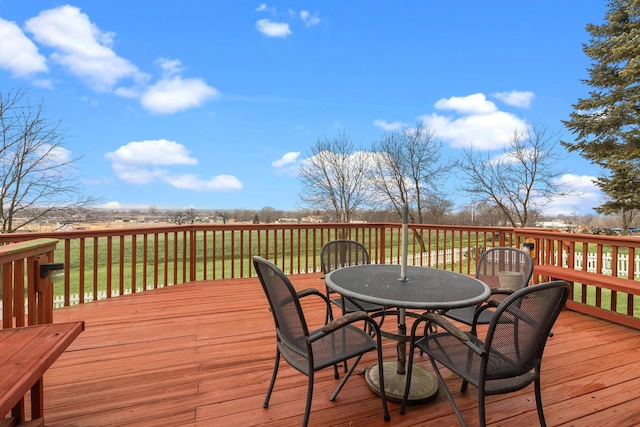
(287, 220)
(554, 224)
(313, 219)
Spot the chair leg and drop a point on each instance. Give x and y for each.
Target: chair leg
(443, 385)
(543, 423)
(307, 409)
(345, 378)
(465, 383)
(346, 367)
(482, 413)
(273, 379)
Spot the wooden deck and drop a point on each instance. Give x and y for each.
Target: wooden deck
(201, 354)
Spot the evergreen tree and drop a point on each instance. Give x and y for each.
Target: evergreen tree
(606, 125)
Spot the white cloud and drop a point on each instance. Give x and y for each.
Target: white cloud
(170, 67)
(43, 83)
(515, 98)
(471, 104)
(18, 54)
(309, 19)
(134, 174)
(514, 157)
(152, 152)
(484, 132)
(128, 92)
(273, 29)
(289, 164)
(216, 183)
(475, 122)
(145, 162)
(384, 125)
(264, 8)
(115, 205)
(82, 48)
(176, 94)
(58, 155)
(287, 159)
(587, 196)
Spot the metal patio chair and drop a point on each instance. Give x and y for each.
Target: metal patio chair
(505, 270)
(509, 357)
(309, 351)
(343, 253)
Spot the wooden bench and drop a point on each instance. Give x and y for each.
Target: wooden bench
(25, 354)
(619, 284)
(601, 282)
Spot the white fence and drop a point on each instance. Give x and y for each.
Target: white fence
(452, 256)
(607, 263)
(448, 256)
(74, 299)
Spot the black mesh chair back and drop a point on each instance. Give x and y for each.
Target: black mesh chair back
(510, 356)
(343, 253)
(504, 270)
(285, 307)
(519, 330)
(309, 351)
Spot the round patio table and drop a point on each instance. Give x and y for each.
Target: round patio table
(423, 289)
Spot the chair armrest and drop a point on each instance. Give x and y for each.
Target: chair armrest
(489, 304)
(343, 321)
(312, 291)
(446, 325)
(500, 291)
(347, 319)
(451, 329)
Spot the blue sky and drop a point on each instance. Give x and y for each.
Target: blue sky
(212, 104)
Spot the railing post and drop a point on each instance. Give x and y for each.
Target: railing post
(44, 289)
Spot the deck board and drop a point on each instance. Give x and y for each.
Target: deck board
(201, 354)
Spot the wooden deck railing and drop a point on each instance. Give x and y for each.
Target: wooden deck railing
(27, 294)
(110, 262)
(604, 271)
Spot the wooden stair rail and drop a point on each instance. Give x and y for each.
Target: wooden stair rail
(25, 270)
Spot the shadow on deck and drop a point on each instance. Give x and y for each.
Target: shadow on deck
(201, 354)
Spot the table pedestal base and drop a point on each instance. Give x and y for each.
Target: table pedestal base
(424, 385)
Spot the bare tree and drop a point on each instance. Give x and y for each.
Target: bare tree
(407, 168)
(436, 208)
(521, 180)
(224, 215)
(191, 215)
(268, 214)
(177, 217)
(333, 178)
(36, 173)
